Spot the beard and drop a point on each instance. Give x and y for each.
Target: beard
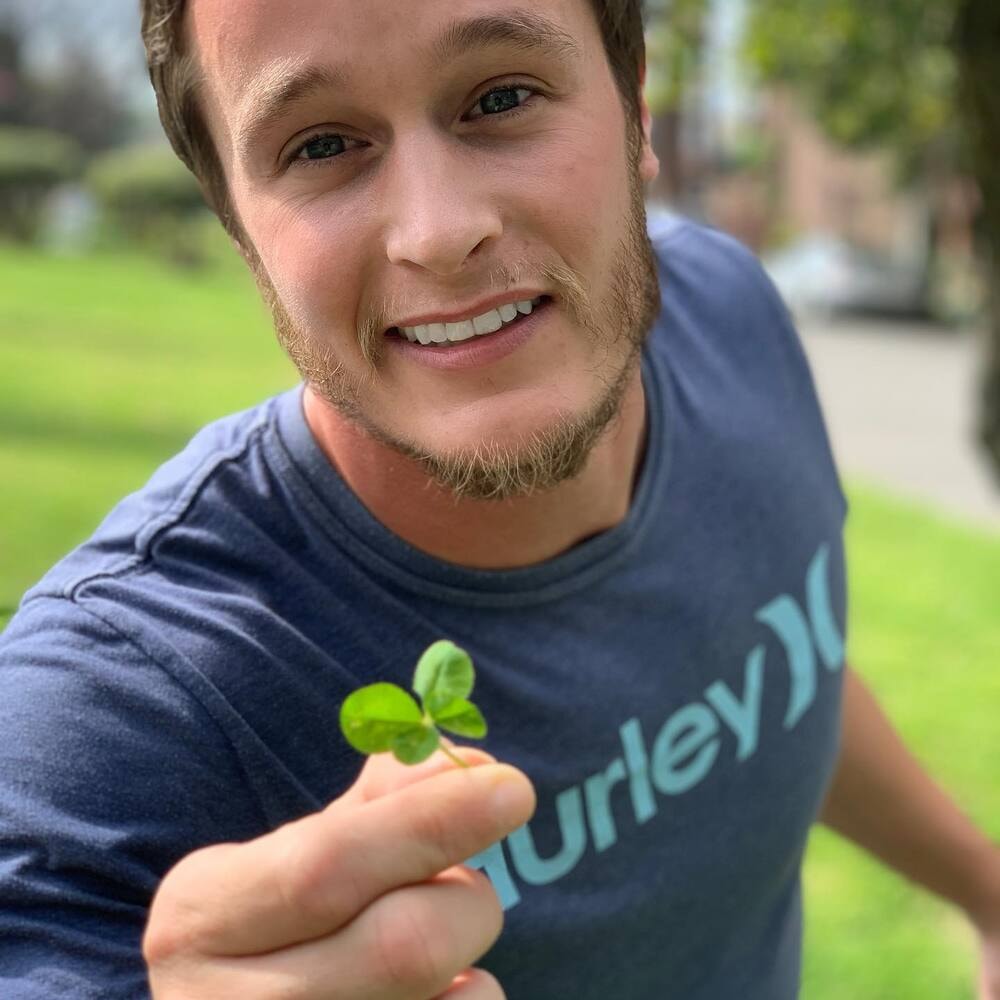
(495, 470)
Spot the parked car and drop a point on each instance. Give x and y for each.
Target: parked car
(826, 276)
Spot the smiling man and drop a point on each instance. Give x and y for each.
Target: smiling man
(424, 256)
(586, 450)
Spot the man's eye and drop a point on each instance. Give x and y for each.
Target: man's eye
(498, 101)
(502, 99)
(321, 147)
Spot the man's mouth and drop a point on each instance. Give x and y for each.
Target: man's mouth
(444, 334)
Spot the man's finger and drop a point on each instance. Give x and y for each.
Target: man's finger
(409, 943)
(310, 878)
(383, 774)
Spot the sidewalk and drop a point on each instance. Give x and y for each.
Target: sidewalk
(900, 405)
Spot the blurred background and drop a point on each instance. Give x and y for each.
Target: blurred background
(854, 146)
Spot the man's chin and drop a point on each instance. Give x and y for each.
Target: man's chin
(503, 471)
(507, 463)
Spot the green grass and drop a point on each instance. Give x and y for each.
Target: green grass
(110, 364)
(925, 636)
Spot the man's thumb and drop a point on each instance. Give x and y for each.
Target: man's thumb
(383, 774)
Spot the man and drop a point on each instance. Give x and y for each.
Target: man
(596, 464)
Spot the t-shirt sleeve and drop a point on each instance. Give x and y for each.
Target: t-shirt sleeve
(741, 289)
(110, 772)
(797, 360)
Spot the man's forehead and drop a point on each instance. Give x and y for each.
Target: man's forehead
(237, 40)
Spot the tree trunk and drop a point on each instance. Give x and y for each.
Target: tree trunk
(669, 185)
(977, 45)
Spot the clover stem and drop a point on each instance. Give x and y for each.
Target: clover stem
(444, 747)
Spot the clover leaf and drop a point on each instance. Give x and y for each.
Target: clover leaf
(382, 717)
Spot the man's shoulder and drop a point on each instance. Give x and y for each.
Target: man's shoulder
(127, 537)
(685, 248)
(716, 287)
(723, 327)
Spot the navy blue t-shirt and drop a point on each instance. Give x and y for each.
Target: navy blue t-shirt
(671, 686)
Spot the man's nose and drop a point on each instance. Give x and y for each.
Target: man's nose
(438, 211)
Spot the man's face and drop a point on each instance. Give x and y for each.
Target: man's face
(394, 163)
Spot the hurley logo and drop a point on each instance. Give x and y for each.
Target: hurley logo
(685, 748)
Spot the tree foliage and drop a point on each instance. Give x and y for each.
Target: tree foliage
(72, 92)
(674, 38)
(919, 77)
(674, 44)
(875, 75)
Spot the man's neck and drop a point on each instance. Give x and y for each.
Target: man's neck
(488, 534)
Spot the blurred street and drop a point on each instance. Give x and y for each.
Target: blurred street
(900, 406)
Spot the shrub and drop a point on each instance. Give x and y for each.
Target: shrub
(148, 197)
(32, 162)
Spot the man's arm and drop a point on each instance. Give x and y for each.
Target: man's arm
(883, 800)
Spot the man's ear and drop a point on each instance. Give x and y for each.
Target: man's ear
(649, 165)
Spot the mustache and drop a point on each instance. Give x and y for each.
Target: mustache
(562, 282)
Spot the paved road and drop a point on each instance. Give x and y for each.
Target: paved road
(900, 407)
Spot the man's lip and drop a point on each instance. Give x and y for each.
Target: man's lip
(467, 312)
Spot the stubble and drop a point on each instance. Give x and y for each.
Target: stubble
(502, 470)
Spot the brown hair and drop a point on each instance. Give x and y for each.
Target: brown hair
(174, 75)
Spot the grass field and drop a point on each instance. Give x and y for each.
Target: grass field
(110, 364)
(925, 635)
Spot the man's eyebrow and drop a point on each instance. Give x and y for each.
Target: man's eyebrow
(270, 96)
(524, 29)
(290, 82)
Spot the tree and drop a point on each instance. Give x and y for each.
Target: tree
(918, 77)
(77, 79)
(977, 43)
(77, 100)
(12, 84)
(675, 34)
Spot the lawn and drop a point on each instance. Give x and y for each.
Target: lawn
(925, 635)
(111, 363)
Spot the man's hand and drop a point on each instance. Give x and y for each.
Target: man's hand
(989, 966)
(987, 922)
(367, 898)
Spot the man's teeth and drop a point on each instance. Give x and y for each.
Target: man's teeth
(478, 326)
